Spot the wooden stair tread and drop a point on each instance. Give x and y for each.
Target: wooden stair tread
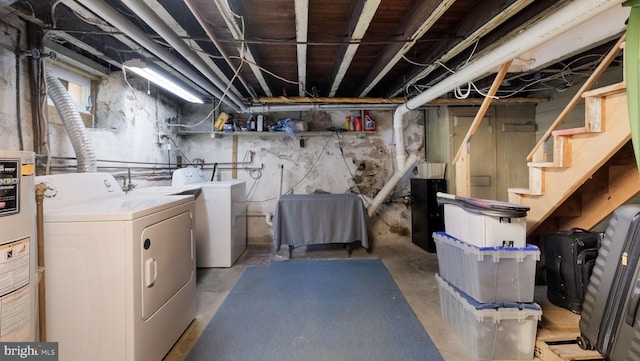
(588, 153)
(541, 164)
(570, 131)
(519, 190)
(606, 90)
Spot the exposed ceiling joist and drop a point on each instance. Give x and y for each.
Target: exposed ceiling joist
(468, 41)
(214, 40)
(180, 35)
(302, 28)
(435, 14)
(362, 15)
(244, 50)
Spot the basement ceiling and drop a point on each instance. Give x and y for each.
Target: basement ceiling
(257, 51)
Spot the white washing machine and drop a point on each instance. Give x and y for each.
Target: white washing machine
(18, 248)
(221, 220)
(119, 269)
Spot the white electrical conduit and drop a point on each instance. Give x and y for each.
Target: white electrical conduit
(537, 34)
(159, 26)
(105, 11)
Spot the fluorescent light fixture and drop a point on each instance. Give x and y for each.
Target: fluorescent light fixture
(164, 82)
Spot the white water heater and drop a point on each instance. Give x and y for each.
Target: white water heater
(18, 247)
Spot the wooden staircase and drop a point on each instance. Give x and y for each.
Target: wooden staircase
(592, 169)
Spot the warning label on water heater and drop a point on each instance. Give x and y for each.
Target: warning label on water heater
(9, 186)
(14, 265)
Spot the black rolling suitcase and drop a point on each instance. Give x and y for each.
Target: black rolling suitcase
(609, 320)
(569, 258)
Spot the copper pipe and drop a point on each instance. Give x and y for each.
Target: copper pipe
(40, 189)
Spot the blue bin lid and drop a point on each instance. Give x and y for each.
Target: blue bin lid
(527, 247)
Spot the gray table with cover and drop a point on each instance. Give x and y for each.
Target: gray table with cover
(306, 219)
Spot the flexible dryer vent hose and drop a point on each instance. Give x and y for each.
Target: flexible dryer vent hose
(85, 154)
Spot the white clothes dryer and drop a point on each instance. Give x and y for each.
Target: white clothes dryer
(120, 269)
(221, 220)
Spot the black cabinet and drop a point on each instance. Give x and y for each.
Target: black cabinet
(426, 216)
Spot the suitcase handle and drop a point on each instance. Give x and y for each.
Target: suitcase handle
(575, 230)
(558, 262)
(632, 308)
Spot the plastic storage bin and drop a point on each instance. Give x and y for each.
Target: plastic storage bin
(491, 331)
(483, 222)
(488, 274)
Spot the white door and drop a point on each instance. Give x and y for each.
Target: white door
(482, 149)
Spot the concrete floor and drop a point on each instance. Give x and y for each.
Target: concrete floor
(412, 268)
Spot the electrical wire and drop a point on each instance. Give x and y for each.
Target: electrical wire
(178, 148)
(349, 170)
(42, 116)
(320, 154)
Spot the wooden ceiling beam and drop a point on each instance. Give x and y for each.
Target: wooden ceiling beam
(238, 34)
(468, 40)
(416, 27)
(361, 18)
(302, 31)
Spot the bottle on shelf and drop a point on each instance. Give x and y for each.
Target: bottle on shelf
(260, 123)
(358, 124)
(347, 122)
(369, 123)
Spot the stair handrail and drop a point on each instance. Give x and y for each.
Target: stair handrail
(578, 96)
(463, 180)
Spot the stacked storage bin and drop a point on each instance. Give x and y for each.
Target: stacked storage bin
(487, 277)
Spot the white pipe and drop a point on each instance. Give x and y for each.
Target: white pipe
(563, 19)
(546, 29)
(391, 184)
(216, 43)
(102, 9)
(155, 22)
(266, 108)
(281, 179)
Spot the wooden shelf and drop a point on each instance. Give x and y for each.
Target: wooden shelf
(276, 134)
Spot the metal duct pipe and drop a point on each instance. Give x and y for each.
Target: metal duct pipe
(155, 22)
(76, 130)
(565, 18)
(102, 9)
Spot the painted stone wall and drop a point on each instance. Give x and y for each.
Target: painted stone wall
(326, 161)
(15, 118)
(126, 133)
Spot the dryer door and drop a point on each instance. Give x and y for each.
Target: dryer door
(167, 261)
